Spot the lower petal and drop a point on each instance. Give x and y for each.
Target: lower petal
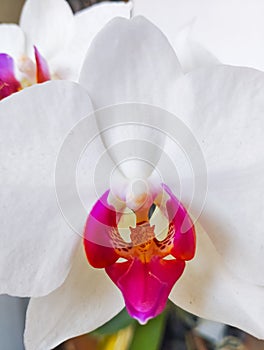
(86, 300)
(209, 290)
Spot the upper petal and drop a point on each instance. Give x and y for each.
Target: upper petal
(231, 31)
(37, 244)
(85, 301)
(48, 24)
(208, 289)
(131, 61)
(223, 107)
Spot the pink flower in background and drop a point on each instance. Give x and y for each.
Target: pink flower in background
(119, 140)
(50, 42)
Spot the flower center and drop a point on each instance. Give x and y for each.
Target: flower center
(155, 232)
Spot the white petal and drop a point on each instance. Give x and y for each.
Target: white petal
(48, 24)
(12, 40)
(86, 24)
(209, 290)
(85, 301)
(130, 138)
(223, 107)
(190, 53)
(231, 31)
(37, 244)
(131, 61)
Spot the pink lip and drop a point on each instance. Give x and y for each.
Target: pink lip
(146, 277)
(146, 287)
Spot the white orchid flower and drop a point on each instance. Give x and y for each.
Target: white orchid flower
(107, 159)
(50, 42)
(232, 30)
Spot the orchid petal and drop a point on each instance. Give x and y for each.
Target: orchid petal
(47, 24)
(223, 107)
(139, 52)
(231, 32)
(87, 23)
(97, 242)
(12, 40)
(37, 244)
(190, 53)
(184, 236)
(8, 82)
(208, 289)
(42, 69)
(85, 301)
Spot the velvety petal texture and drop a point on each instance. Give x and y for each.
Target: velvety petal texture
(223, 107)
(85, 301)
(37, 244)
(232, 31)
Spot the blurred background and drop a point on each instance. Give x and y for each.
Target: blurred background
(175, 329)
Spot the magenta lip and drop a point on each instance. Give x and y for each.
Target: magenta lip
(145, 278)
